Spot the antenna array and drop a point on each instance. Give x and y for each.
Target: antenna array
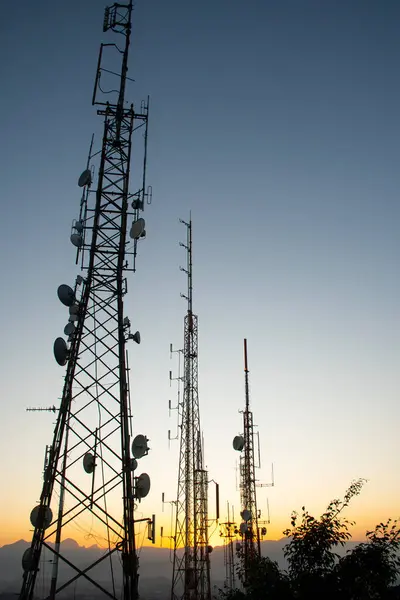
(249, 528)
(191, 562)
(92, 461)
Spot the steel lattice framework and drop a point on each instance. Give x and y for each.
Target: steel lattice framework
(251, 536)
(191, 564)
(94, 419)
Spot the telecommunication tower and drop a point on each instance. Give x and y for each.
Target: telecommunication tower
(191, 560)
(90, 464)
(228, 531)
(249, 528)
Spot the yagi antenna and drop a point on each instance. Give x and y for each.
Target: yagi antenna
(42, 409)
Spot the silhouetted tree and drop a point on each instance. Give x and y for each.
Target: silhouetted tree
(316, 571)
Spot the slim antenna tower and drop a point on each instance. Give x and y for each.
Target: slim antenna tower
(191, 562)
(249, 530)
(90, 464)
(228, 531)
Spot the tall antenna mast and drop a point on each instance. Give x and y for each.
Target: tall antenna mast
(191, 562)
(91, 462)
(249, 530)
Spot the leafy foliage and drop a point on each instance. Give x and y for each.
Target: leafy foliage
(366, 572)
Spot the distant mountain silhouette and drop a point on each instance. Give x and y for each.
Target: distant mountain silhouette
(155, 567)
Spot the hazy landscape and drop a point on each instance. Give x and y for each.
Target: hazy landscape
(155, 568)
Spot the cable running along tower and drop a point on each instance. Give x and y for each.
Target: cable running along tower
(191, 563)
(89, 479)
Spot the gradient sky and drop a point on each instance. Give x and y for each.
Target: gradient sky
(276, 122)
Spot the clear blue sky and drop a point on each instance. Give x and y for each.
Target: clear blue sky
(277, 123)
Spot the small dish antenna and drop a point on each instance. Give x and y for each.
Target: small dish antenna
(76, 239)
(246, 515)
(243, 528)
(66, 294)
(48, 516)
(134, 464)
(78, 226)
(74, 309)
(139, 446)
(60, 351)
(135, 337)
(89, 462)
(137, 229)
(85, 178)
(27, 560)
(238, 443)
(142, 486)
(69, 329)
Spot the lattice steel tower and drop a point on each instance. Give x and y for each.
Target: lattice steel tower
(92, 458)
(249, 527)
(191, 563)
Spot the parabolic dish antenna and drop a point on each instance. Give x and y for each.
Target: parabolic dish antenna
(76, 239)
(74, 309)
(137, 228)
(85, 178)
(139, 446)
(134, 464)
(142, 486)
(209, 549)
(27, 560)
(60, 351)
(79, 226)
(246, 515)
(88, 462)
(48, 516)
(66, 294)
(238, 443)
(69, 329)
(243, 528)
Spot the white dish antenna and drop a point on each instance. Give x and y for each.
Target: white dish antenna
(27, 560)
(60, 351)
(238, 443)
(69, 329)
(142, 486)
(137, 229)
(140, 446)
(66, 295)
(85, 178)
(243, 528)
(89, 462)
(48, 516)
(134, 464)
(246, 515)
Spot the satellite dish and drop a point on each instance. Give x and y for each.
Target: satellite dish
(246, 515)
(85, 178)
(243, 528)
(209, 549)
(74, 309)
(48, 516)
(66, 294)
(78, 226)
(142, 486)
(134, 464)
(238, 443)
(137, 228)
(69, 329)
(136, 337)
(139, 446)
(27, 560)
(89, 462)
(60, 351)
(76, 239)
